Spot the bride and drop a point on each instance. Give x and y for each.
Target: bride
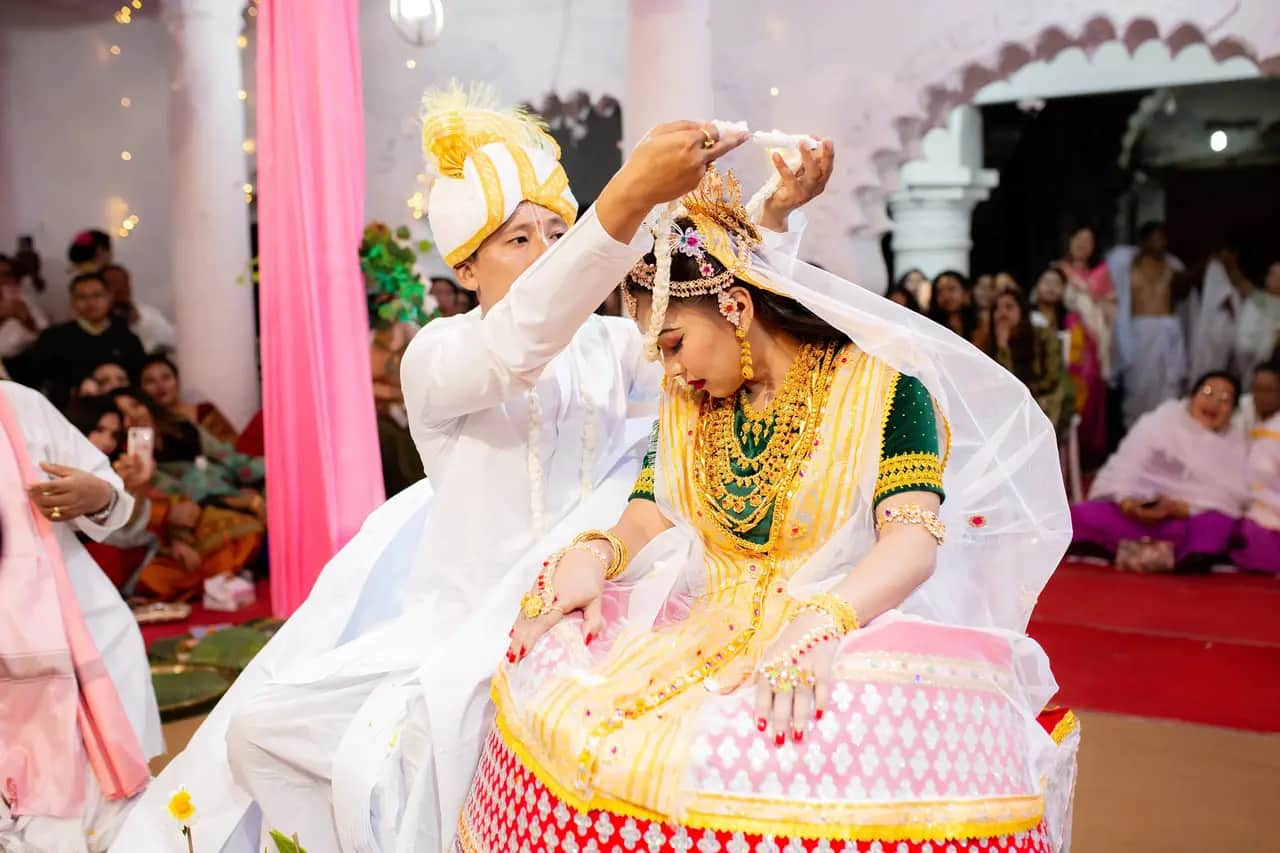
(807, 624)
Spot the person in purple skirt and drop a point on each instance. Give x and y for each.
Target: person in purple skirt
(1258, 539)
(1178, 477)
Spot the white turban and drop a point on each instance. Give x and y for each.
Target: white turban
(485, 162)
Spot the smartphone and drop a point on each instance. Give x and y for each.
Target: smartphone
(141, 443)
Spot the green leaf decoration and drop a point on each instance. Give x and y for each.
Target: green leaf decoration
(166, 650)
(284, 844)
(232, 648)
(394, 289)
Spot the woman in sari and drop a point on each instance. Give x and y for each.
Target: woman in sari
(1178, 477)
(1030, 352)
(206, 503)
(952, 305)
(1089, 389)
(160, 380)
(774, 643)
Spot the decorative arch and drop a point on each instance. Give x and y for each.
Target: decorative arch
(881, 145)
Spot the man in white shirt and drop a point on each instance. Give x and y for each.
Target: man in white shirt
(146, 321)
(520, 411)
(82, 495)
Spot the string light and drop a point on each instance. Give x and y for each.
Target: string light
(126, 156)
(124, 16)
(773, 90)
(126, 102)
(242, 41)
(242, 95)
(114, 50)
(411, 64)
(253, 11)
(130, 222)
(249, 146)
(137, 4)
(417, 204)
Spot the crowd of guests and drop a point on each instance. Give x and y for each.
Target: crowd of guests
(197, 480)
(1189, 473)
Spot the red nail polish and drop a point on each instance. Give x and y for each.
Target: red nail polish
(590, 637)
(797, 735)
(522, 651)
(779, 739)
(817, 715)
(511, 657)
(762, 724)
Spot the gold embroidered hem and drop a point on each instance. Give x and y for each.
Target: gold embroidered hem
(909, 469)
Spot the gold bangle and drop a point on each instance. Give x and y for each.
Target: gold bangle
(833, 605)
(913, 514)
(619, 562)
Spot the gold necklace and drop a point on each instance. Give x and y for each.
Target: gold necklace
(757, 479)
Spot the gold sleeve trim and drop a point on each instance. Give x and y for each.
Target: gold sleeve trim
(908, 469)
(1069, 724)
(644, 483)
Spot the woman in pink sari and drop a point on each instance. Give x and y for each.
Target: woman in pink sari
(1091, 295)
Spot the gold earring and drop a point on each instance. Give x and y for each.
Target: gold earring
(748, 370)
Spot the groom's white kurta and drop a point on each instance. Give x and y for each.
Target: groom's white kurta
(466, 381)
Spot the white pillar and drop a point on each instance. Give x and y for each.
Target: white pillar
(216, 343)
(668, 65)
(931, 212)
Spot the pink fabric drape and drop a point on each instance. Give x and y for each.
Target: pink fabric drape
(324, 472)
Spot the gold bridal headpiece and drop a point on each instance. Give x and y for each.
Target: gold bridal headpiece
(722, 230)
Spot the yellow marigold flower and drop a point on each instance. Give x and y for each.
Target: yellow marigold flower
(181, 807)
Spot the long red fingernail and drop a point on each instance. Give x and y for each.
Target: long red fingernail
(779, 739)
(522, 651)
(797, 735)
(511, 656)
(817, 715)
(590, 637)
(762, 724)
(511, 633)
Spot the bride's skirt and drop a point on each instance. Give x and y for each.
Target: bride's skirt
(924, 746)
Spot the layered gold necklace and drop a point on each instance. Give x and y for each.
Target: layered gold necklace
(740, 469)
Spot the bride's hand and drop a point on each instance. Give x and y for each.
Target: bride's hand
(781, 710)
(797, 187)
(576, 584)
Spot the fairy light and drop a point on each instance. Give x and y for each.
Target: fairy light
(249, 146)
(773, 90)
(130, 222)
(417, 204)
(411, 64)
(126, 102)
(242, 95)
(137, 4)
(243, 41)
(114, 50)
(124, 15)
(126, 156)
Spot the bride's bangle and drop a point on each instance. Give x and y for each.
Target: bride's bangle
(619, 561)
(833, 605)
(913, 514)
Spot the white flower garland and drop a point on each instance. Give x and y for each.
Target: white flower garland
(537, 516)
(661, 279)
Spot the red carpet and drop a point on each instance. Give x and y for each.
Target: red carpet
(200, 617)
(1203, 649)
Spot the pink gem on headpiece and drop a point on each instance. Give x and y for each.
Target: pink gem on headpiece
(84, 238)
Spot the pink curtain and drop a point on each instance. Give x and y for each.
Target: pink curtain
(323, 468)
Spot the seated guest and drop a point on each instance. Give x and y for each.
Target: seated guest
(1263, 399)
(152, 328)
(465, 301)
(120, 556)
(984, 299)
(104, 379)
(77, 729)
(89, 251)
(207, 508)
(160, 379)
(1259, 533)
(21, 322)
(67, 352)
(915, 282)
(1258, 333)
(444, 291)
(903, 297)
(1006, 283)
(1033, 354)
(1177, 477)
(951, 304)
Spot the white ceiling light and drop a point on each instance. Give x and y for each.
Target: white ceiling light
(419, 22)
(1218, 140)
